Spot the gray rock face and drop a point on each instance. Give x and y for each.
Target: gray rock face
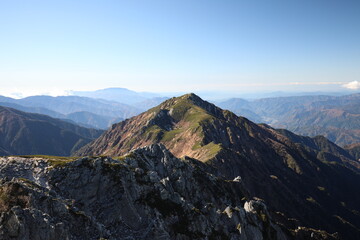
(149, 194)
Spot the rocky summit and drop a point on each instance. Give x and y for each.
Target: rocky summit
(305, 181)
(146, 194)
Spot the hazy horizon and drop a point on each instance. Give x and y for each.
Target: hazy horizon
(207, 95)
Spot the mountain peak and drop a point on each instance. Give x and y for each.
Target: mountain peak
(179, 106)
(191, 96)
(172, 123)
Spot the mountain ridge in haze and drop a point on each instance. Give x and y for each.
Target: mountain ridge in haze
(84, 111)
(121, 95)
(335, 117)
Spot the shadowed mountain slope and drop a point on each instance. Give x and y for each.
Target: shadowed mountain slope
(354, 150)
(323, 148)
(29, 133)
(290, 176)
(39, 110)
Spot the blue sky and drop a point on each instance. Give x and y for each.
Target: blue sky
(52, 46)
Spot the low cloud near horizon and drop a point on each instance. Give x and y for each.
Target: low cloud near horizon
(354, 85)
(25, 92)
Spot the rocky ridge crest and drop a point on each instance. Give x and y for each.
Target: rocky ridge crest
(148, 194)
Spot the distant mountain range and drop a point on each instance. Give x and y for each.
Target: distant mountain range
(71, 104)
(24, 133)
(335, 117)
(304, 181)
(121, 95)
(88, 112)
(99, 109)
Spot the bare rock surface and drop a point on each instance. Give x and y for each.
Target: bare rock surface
(148, 194)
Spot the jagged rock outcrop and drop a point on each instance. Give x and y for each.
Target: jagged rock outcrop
(148, 194)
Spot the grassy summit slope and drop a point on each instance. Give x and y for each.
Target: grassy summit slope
(178, 123)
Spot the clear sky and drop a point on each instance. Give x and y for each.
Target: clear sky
(179, 45)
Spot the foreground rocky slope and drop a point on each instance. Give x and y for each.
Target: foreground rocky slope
(148, 194)
(310, 180)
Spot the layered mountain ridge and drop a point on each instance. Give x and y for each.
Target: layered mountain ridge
(309, 182)
(29, 133)
(88, 112)
(354, 150)
(335, 117)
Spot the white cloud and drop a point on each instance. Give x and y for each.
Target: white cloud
(26, 92)
(352, 85)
